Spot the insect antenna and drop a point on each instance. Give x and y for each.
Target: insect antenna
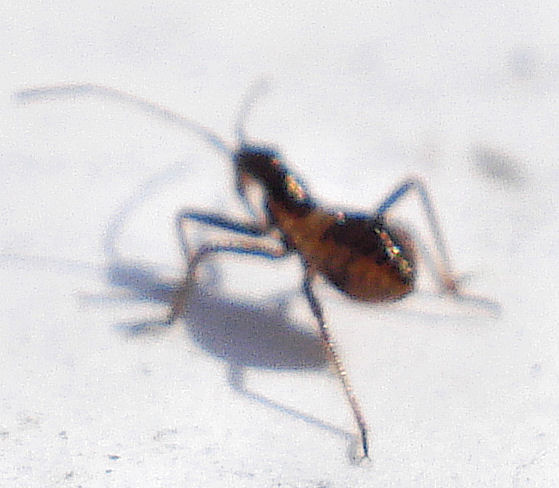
(247, 104)
(73, 90)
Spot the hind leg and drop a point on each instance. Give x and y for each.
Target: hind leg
(448, 280)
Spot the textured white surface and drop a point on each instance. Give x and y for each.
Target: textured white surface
(465, 96)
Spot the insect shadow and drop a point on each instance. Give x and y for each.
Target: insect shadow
(239, 333)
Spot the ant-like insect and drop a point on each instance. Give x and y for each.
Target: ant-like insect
(362, 255)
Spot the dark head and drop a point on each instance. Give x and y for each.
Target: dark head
(254, 160)
(263, 165)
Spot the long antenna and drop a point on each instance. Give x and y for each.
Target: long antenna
(255, 92)
(53, 92)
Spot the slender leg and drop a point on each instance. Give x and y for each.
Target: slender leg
(448, 281)
(335, 358)
(249, 245)
(214, 220)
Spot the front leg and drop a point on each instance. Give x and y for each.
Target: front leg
(253, 243)
(214, 220)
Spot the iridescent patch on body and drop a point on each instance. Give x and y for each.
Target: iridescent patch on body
(394, 252)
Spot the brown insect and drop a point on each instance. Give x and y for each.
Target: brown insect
(362, 255)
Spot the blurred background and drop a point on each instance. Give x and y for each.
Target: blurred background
(95, 392)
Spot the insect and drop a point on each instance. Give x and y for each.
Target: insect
(364, 256)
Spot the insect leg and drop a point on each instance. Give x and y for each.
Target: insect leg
(448, 281)
(335, 358)
(249, 245)
(214, 220)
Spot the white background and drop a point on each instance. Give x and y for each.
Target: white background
(463, 94)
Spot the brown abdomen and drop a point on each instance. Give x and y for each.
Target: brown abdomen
(360, 256)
